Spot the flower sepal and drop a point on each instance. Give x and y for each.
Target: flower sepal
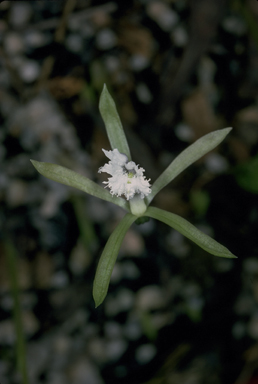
(192, 153)
(72, 179)
(108, 258)
(113, 123)
(190, 231)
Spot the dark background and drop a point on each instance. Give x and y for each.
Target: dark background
(177, 70)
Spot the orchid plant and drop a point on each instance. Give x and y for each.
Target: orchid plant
(128, 180)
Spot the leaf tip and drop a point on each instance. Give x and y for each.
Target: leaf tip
(98, 292)
(229, 255)
(97, 304)
(97, 299)
(228, 129)
(103, 100)
(104, 90)
(35, 164)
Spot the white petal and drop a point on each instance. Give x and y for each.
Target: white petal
(116, 157)
(127, 178)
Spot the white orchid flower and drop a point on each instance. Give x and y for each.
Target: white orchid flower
(128, 180)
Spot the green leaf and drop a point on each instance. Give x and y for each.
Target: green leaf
(113, 123)
(190, 231)
(186, 158)
(72, 179)
(108, 259)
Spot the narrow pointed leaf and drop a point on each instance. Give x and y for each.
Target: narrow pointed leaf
(190, 231)
(186, 158)
(113, 123)
(108, 259)
(72, 179)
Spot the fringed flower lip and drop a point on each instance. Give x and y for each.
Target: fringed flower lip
(127, 178)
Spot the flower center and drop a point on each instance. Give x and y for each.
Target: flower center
(130, 176)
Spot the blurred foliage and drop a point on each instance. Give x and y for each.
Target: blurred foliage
(246, 175)
(200, 201)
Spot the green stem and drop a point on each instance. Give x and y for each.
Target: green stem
(88, 235)
(17, 313)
